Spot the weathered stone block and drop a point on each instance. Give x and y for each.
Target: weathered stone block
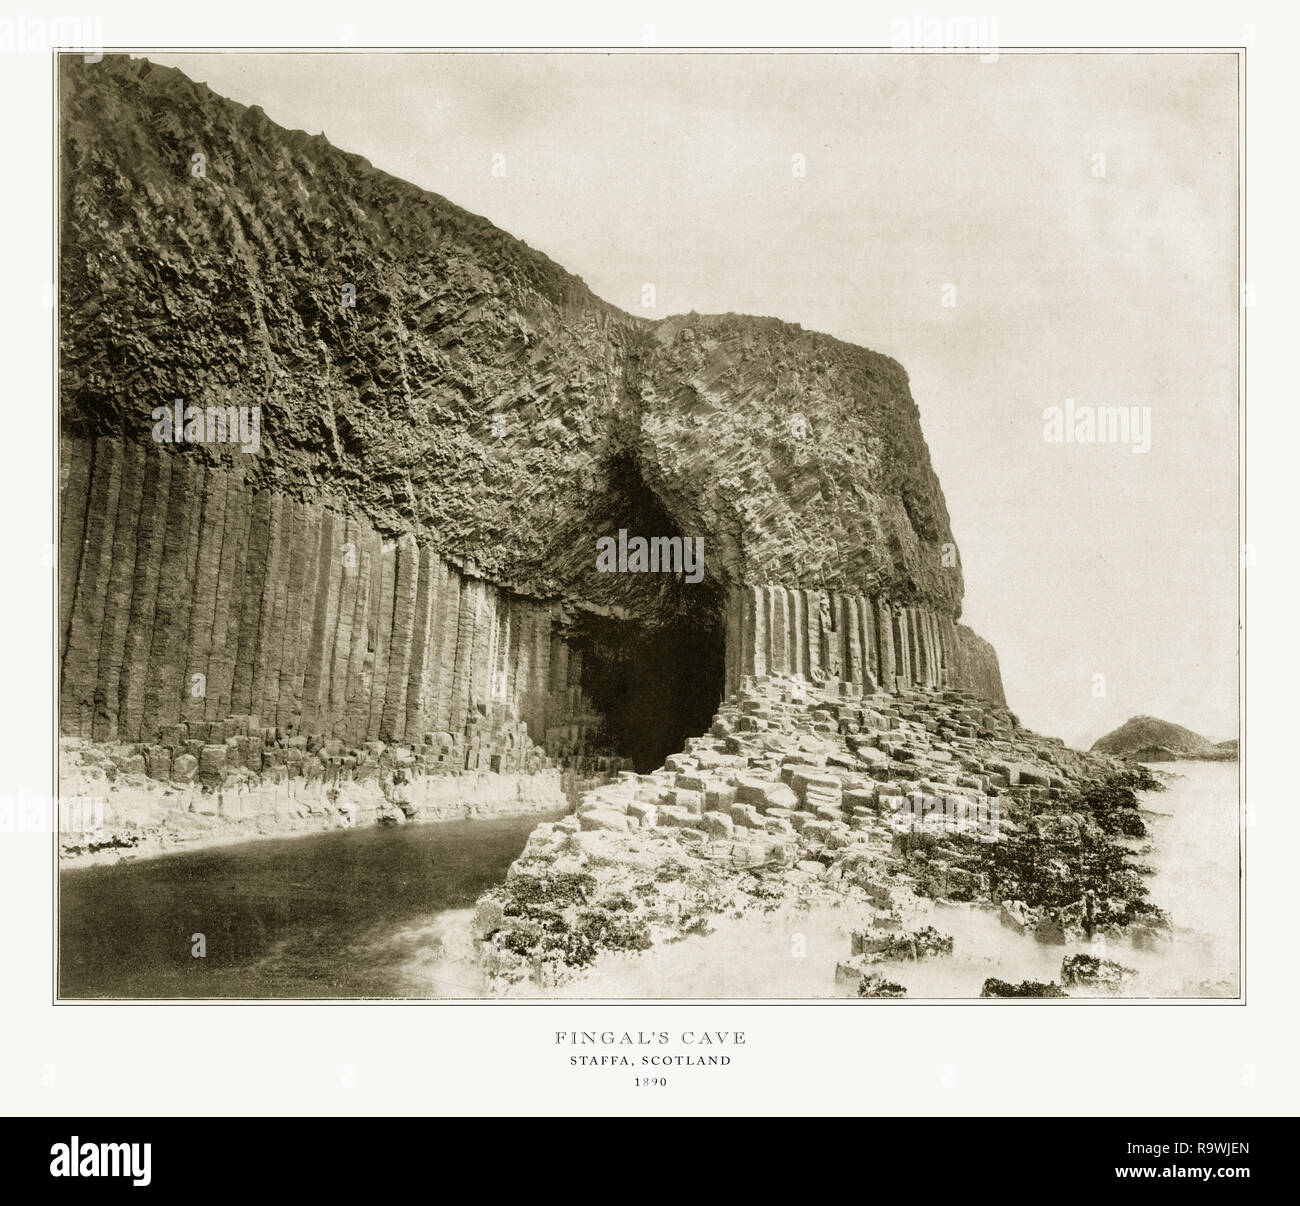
(212, 763)
(765, 794)
(861, 798)
(717, 824)
(747, 814)
(815, 831)
(670, 816)
(804, 781)
(159, 761)
(719, 797)
(691, 801)
(604, 818)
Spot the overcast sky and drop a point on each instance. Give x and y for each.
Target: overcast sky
(1112, 282)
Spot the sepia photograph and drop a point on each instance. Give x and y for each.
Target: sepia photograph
(627, 525)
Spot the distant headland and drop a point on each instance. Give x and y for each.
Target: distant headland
(1146, 739)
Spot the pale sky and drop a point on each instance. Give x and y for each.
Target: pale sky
(1112, 282)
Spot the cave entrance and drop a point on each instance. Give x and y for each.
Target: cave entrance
(655, 687)
(655, 665)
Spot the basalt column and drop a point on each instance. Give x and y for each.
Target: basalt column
(194, 599)
(868, 644)
(308, 619)
(406, 552)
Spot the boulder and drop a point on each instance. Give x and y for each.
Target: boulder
(719, 796)
(875, 985)
(764, 793)
(749, 853)
(646, 814)
(802, 780)
(816, 831)
(1026, 988)
(212, 763)
(864, 942)
(691, 801)
(132, 764)
(858, 797)
(747, 814)
(717, 824)
(669, 816)
(1016, 915)
(604, 818)
(1094, 971)
(158, 758)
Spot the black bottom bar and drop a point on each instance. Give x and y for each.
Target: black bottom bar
(368, 1155)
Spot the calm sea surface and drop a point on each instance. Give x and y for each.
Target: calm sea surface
(381, 913)
(339, 914)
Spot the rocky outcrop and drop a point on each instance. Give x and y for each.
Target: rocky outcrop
(1146, 739)
(808, 796)
(411, 359)
(1094, 971)
(994, 987)
(115, 803)
(446, 424)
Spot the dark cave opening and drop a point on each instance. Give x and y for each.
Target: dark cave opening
(655, 668)
(654, 687)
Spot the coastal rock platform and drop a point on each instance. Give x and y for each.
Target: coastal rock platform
(801, 795)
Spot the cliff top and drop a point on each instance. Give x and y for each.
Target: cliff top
(414, 362)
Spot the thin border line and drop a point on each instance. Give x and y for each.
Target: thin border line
(1240, 52)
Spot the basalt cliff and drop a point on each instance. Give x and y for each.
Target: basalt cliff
(395, 581)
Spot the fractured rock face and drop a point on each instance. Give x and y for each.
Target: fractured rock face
(892, 845)
(464, 381)
(448, 422)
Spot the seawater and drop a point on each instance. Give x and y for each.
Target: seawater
(348, 913)
(384, 913)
